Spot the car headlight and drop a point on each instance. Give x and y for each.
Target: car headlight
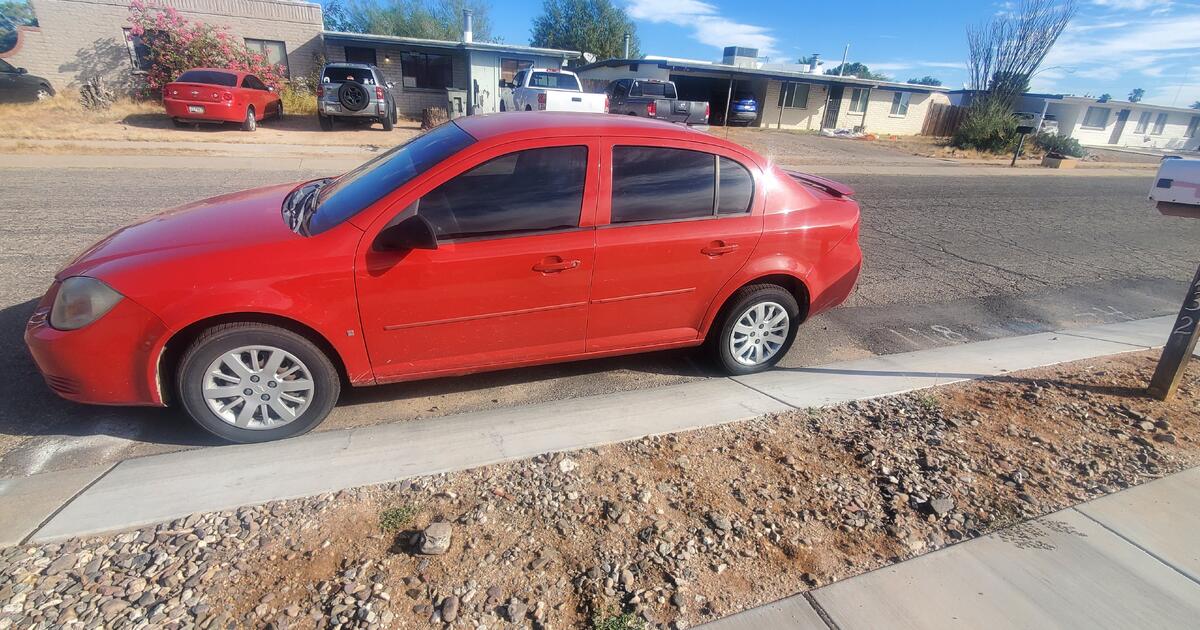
(81, 301)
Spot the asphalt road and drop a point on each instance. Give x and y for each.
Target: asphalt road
(949, 259)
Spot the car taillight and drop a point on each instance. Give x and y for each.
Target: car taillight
(651, 109)
(605, 103)
(542, 100)
(706, 111)
(227, 96)
(320, 91)
(379, 93)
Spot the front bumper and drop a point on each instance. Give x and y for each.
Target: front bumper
(112, 361)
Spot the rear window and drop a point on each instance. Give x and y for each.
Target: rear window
(554, 80)
(208, 77)
(658, 90)
(351, 193)
(353, 75)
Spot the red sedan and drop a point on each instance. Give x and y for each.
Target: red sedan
(213, 95)
(489, 242)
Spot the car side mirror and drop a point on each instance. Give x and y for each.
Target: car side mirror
(270, 88)
(414, 232)
(21, 71)
(390, 84)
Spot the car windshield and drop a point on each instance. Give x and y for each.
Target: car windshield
(354, 75)
(351, 193)
(663, 90)
(554, 81)
(208, 77)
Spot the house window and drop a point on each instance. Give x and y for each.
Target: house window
(1160, 123)
(425, 71)
(1191, 130)
(900, 103)
(1143, 123)
(274, 52)
(794, 95)
(139, 52)
(358, 54)
(1095, 118)
(510, 67)
(858, 100)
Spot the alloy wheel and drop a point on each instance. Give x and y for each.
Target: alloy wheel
(759, 333)
(258, 387)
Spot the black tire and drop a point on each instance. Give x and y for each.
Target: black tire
(279, 112)
(250, 123)
(326, 122)
(353, 96)
(209, 346)
(503, 107)
(529, 108)
(738, 304)
(389, 120)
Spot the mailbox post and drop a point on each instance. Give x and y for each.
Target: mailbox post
(1177, 193)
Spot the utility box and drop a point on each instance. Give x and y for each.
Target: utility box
(456, 102)
(1176, 188)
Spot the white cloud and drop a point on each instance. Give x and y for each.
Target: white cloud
(1134, 5)
(708, 26)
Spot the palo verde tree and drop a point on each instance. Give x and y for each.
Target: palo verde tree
(856, 69)
(591, 26)
(1002, 56)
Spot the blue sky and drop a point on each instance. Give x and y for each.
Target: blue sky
(1113, 45)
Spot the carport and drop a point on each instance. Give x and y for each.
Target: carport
(717, 91)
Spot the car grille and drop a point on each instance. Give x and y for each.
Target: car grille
(62, 385)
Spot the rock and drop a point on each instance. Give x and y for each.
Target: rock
(1145, 425)
(567, 465)
(515, 610)
(450, 609)
(941, 506)
(720, 521)
(435, 540)
(60, 565)
(1168, 438)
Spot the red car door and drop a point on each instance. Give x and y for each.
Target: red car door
(663, 250)
(509, 281)
(254, 92)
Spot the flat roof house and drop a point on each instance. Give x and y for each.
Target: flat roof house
(788, 97)
(1110, 123)
(76, 40)
(424, 69)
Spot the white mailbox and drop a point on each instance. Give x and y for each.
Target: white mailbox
(1176, 188)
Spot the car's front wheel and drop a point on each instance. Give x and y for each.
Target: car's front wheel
(757, 329)
(248, 382)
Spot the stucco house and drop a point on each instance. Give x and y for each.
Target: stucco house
(790, 97)
(1111, 123)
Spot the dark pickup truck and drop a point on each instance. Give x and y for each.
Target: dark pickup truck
(652, 98)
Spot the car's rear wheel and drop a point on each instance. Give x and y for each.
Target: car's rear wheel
(247, 382)
(249, 124)
(757, 328)
(326, 122)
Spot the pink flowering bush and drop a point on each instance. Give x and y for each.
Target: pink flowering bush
(176, 44)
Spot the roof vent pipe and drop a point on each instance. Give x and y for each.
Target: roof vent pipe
(467, 35)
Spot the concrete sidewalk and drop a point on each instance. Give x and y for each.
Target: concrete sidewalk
(1127, 560)
(160, 488)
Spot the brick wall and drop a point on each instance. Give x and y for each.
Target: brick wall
(808, 117)
(78, 39)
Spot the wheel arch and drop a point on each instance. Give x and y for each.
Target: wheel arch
(790, 282)
(178, 343)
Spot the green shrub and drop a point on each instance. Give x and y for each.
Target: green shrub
(1062, 145)
(988, 127)
(297, 99)
(393, 519)
(611, 620)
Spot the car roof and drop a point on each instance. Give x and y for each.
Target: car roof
(225, 70)
(347, 64)
(507, 126)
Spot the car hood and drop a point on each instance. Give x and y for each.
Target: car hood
(250, 217)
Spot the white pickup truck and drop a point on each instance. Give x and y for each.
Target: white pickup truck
(550, 89)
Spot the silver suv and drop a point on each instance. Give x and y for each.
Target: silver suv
(355, 91)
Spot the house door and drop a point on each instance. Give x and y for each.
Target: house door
(833, 107)
(1119, 128)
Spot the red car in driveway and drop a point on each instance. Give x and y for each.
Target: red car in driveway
(213, 95)
(489, 242)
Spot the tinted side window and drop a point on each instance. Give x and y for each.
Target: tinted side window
(657, 184)
(526, 191)
(736, 188)
(253, 83)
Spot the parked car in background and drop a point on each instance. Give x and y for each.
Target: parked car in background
(488, 242)
(653, 98)
(550, 89)
(355, 92)
(18, 86)
(217, 95)
(743, 110)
